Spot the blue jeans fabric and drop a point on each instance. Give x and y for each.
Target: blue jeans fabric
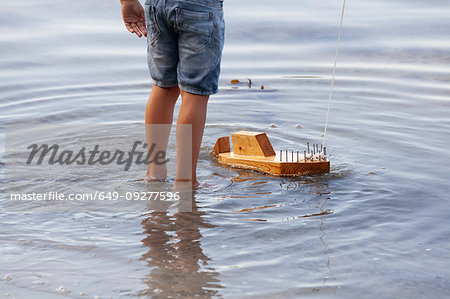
(185, 41)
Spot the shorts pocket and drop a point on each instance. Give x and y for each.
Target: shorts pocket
(153, 29)
(195, 27)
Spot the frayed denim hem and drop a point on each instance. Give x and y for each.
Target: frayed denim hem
(164, 84)
(198, 91)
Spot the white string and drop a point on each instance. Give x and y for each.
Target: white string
(334, 72)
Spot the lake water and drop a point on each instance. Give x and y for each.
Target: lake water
(376, 226)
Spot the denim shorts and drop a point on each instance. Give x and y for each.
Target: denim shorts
(185, 41)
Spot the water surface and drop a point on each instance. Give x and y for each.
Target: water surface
(376, 226)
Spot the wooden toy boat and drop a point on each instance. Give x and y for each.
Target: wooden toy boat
(253, 150)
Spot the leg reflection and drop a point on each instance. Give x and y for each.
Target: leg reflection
(180, 268)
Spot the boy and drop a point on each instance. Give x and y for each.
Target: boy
(185, 41)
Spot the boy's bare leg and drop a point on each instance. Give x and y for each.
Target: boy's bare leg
(159, 112)
(193, 111)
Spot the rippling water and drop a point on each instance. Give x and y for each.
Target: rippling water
(376, 226)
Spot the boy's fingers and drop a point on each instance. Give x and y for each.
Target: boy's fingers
(139, 29)
(129, 27)
(136, 30)
(142, 28)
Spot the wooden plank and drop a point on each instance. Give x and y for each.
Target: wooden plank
(222, 145)
(271, 166)
(252, 144)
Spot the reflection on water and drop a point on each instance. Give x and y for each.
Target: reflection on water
(177, 262)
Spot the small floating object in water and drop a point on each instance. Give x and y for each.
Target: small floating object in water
(62, 291)
(235, 81)
(253, 150)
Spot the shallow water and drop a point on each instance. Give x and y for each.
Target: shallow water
(376, 226)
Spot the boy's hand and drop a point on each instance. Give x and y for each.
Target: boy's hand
(134, 17)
